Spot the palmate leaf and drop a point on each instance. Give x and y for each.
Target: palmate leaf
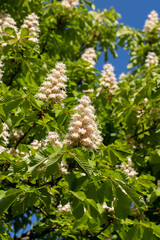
(52, 165)
(24, 33)
(131, 193)
(81, 156)
(8, 199)
(117, 152)
(26, 201)
(38, 159)
(117, 174)
(122, 203)
(106, 191)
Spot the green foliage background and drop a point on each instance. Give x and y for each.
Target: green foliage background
(35, 187)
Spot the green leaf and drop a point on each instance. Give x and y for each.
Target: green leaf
(80, 195)
(78, 209)
(8, 199)
(25, 202)
(24, 33)
(105, 191)
(148, 234)
(38, 159)
(122, 204)
(81, 156)
(131, 193)
(52, 166)
(135, 233)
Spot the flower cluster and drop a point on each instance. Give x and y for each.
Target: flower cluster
(83, 129)
(31, 22)
(6, 21)
(36, 144)
(63, 169)
(5, 135)
(151, 59)
(66, 208)
(149, 23)
(1, 72)
(110, 209)
(128, 168)
(16, 134)
(53, 138)
(121, 76)
(108, 79)
(68, 4)
(54, 87)
(89, 55)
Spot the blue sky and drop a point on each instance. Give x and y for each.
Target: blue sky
(133, 13)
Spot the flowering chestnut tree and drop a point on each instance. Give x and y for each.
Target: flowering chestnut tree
(80, 149)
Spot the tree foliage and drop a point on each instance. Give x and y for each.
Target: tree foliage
(76, 191)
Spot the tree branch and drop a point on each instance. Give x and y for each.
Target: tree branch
(25, 134)
(146, 130)
(51, 183)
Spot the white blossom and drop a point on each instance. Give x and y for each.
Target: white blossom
(88, 91)
(53, 138)
(68, 4)
(89, 55)
(5, 135)
(108, 79)
(151, 59)
(128, 168)
(145, 100)
(1, 72)
(151, 22)
(110, 209)
(63, 168)
(64, 209)
(83, 130)
(36, 144)
(31, 22)
(16, 134)
(121, 76)
(6, 21)
(54, 87)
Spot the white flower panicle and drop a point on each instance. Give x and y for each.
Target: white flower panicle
(153, 20)
(68, 4)
(108, 79)
(5, 134)
(83, 129)
(53, 138)
(16, 134)
(63, 168)
(1, 71)
(88, 91)
(6, 21)
(110, 209)
(151, 59)
(64, 209)
(128, 168)
(98, 19)
(54, 87)
(36, 144)
(89, 55)
(31, 22)
(121, 76)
